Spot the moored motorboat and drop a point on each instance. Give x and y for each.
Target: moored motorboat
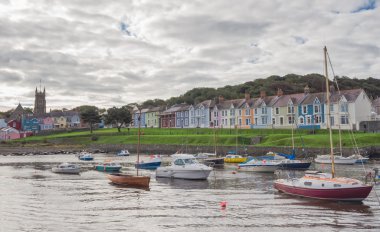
(108, 166)
(123, 153)
(260, 165)
(184, 166)
(234, 159)
(153, 163)
(86, 156)
(66, 168)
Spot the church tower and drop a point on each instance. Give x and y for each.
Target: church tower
(39, 103)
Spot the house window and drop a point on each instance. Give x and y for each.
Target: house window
(290, 109)
(222, 113)
(281, 120)
(255, 121)
(239, 121)
(247, 121)
(247, 112)
(178, 123)
(256, 111)
(263, 110)
(290, 120)
(186, 113)
(277, 110)
(317, 109)
(308, 119)
(301, 120)
(344, 119)
(318, 119)
(304, 109)
(331, 108)
(273, 121)
(186, 122)
(344, 107)
(232, 112)
(239, 112)
(264, 120)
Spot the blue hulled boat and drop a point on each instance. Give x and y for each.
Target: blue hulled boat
(153, 163)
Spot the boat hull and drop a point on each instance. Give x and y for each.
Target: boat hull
(346, 161)
(259, 168)
(183, 174)
(103, 168)
(235, 160)
(148, 165)
(301, 165)
(65, 171)
(214, 161)
(342, 194)
(129, 180)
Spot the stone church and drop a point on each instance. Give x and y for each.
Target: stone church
(39, 103)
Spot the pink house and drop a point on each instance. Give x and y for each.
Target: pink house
(9, 133)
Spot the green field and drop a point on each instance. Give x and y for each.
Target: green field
(207, 137)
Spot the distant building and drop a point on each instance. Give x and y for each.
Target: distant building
(39, 103)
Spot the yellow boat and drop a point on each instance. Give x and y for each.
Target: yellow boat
(234, 159)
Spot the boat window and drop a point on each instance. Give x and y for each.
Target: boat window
(188, 161)
(323, 185)
(179, 162)
(337, 185)
(307, 183)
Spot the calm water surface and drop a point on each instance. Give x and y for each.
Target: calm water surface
(32, 198)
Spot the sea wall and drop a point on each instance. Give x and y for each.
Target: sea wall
(373, 152)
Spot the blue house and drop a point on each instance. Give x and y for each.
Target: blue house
(200, 114)
(311, 110)
(30, 123)
(182, 115)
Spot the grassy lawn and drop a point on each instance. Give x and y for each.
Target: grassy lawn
(201, 136)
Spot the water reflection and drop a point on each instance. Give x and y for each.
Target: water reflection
(184, 184)
(356, 207)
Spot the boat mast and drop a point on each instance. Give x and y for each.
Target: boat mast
(328, 114)
(138, 142)
(214, 141)
(293, 137)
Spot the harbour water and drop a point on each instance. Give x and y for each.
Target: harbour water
(32, 198)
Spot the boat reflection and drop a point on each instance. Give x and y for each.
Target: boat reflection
(184, 184)
(340, 206)
(120, 186)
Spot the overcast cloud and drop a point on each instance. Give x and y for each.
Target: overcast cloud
(111, 53)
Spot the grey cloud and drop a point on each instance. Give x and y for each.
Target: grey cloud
(10, 77)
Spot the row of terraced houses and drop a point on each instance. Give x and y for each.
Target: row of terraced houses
(302, 110)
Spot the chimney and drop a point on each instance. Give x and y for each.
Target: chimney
(279, 92)
(306, 89)
(263, 94)
(247, 96)
(221, 99)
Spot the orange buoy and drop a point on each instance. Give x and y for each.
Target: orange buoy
(233, 172)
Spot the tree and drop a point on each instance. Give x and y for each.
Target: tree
(118, 116)
(90, 115)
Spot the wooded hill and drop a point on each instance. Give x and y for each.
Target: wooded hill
(290, 83)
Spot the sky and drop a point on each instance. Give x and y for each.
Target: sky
(112, 53)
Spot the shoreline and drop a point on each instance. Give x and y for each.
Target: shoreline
(372, 152)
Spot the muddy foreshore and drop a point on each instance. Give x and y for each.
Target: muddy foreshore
(372, 152)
